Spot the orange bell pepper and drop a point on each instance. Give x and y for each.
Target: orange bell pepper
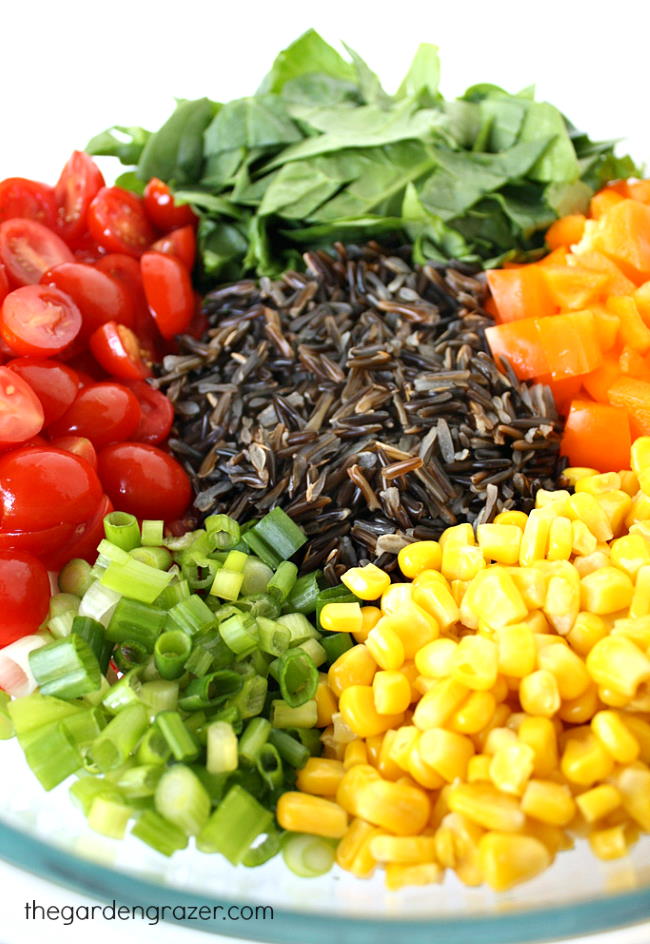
(564, 391)
(634, 333)
(519, 343)
(642, 299)
(607, 326)
(602, 202)
(559, 256)
(598, 382)
(519, 293)
(597, 436)
(633, 364)
(639, 190)
(633, 396)
(573, 288)
(566, 231)
(596, 261)
(625, 238)
(570, 344)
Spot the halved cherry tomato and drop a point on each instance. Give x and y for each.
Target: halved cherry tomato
(4, 283)
(21, 413)
(115, 347)
(162, 209)
(104, 413)
(144, 481)
(55, 384)
(84, 539)
(27, 199)
(99, 297)
(24, 595)
(29, 249)
(180, 243)
(168, 289)
(78, 446)
(127, 270)
(43, 487)
(79, 182)
(39, 321)
(86, 250)
(116, 219)
(44, 543)
(156, 414)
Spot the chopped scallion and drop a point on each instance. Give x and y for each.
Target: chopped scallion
(66, 668)
(152, 533)
(122, 529)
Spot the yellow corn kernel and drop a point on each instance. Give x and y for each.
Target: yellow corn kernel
(366, 583)
(614, 699)
(598, 802)
(606, 591)
(473, 714)
(458, 590)
(475, 663)
(461, 563)
(402, 743)
(321, 776)
(341, 617)
(555, 500)
(355, 753)
(460, 535)
(326, 704)
(385, 764)
(370, 616)
(385, 646)
(354, 667)
(583, 541)
(302, 813)
(432, 593)
(353, 851)
(531, 584)
(581, 709)
(517, 518)
(534, 540)
(478, 768)
(357, 708)
(562, 603)
(396, 597)
(392, 692)
(629, 482)
(419, 556)
(511, 768)
(516, 650)
(446, 752)
(351, 782)
(596, 484)
(537, 623)
(641, 731)
(640, 605)
(548, 802)
(584, 759)
(457, 841)
(400, 876)
(507, 860)
(574, 474)
(539, 733)
(439, 703)
(639, 511)
(483, 804)
(407, 850)
(568, 668)
(584, 507)
(609, 843)
(539, 694)
(373, 748)
(587, 630)
(493, 597)
(553, 837)
(616, 505)
(637, 630)
(499, 738)
(423, 775)
(640, 455)
(617, 739)
(560, 539)
(617, 663)
(435, 660)
(499, 542)
(498, 720)
(633, 783)
(411, 674)
(414, 626)
(397, 807)
(500, 689)
(629, 553)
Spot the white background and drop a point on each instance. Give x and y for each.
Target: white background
(71, 69)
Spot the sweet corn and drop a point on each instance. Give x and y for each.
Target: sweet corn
(431, 592)
(560, 539)
(585, 760)
(531, 584)
(353, 851)
(517, 518)
(640, 455)
(419, 556)
(438, 704)
(457, 840)
(321, 776)
(302, 813)
(397, 807)
(498, 720)
(373, 748)
(615, 662)
(493, 597)
(385, 764)
(583, 542)
(609, 843)
(436, 658)
(568, 669)
(637, 630)
(461, 563)
(641, 731)
(385, 646)
(391, 692)
(341, 617)
(354, 667)
(539, 694)
(483, 804)
(499, 542)
(630, 553)
(401, 745)
(366, 583)
(615, 736)
(407, 850)
(616, 505)
(460, 535)
(633, 783)
(397, 597)
(580, 709)
(534, 540)
(596, 484)
(639, 510)
(414, 627)
(473, 714)
(422, 773)
(446, 752)
(548, 802)
(629, 482)
(640, 605)
(499, 738)
(370, 616)
(478, 768)
(586, 508)
(355, 753)
(516, 650)
(475, 663)
(598, 802)
(424, 873)
(507, 860)
(357, 707)
(587, 630)
(562, 603)
(574, 474)
(351, 783)
(606, 591)
(326, 704)
(511, 768)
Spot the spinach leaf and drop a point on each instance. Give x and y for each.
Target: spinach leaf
(258, 122)
(175, 152)
(369, 85)
(422, 79)
(317, 88)
(127, 145)
(307, 55)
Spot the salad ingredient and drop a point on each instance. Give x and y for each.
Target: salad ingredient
(117, 221)
(79, 182)
(38, 320)
(168, 290)
(144, 481)
(104, 413)
(322, 153)
(28, 249)
(56, 385)
(24, 595)
(28, 199)
(360, 398)
(156, 414)
(597, 436)
(116, 348)
(21, 412)
(16, 679)
(78, 446)
(99, 297)
(180, 243)
(161, 208)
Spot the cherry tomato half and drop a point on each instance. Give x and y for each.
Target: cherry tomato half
(115, 347)
(168, 289)
(126, 269)
(39, 321)
(44, 543)
(24, 595)
(4, 283)
(42, 487)
(116, 219)
(29, 249)
(180, 243)
(84, 539)
(99, 297)
(21, 413)
(79, 182)
(86, 250)
(78, 446)
(157, 414)
(27, 199)
(162, 209)
(144, 481)
(55, 384)
(104, 413)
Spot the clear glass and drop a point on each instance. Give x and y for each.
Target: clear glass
(47, 835)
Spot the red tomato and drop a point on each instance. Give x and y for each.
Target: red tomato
(115, 347)
(56, 385)
(29, 249)
(157, 414)
(199, 323)
(44, 487)
(161, 208)
(27, 199)
(99, 297)
(127, 270)
(78, 446)
(168, 289)
(84, 539)
(4, 283)
(180, 243)
(79, 182)
(21, 413)
(39, 321)
(144, 481)
(24, 595)
(86, 250)
(104, 413)
(116, 219)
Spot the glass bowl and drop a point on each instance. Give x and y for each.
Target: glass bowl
(46, 835)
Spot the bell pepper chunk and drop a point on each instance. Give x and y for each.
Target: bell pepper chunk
(596, 261)
(566, 231)
(572, 288)
(634, 332)
(598, 382)
(519, 343)
(625, 238)
(597, 436)
(633, 395)
(519, 293)
(570, 344)
(602, 202)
